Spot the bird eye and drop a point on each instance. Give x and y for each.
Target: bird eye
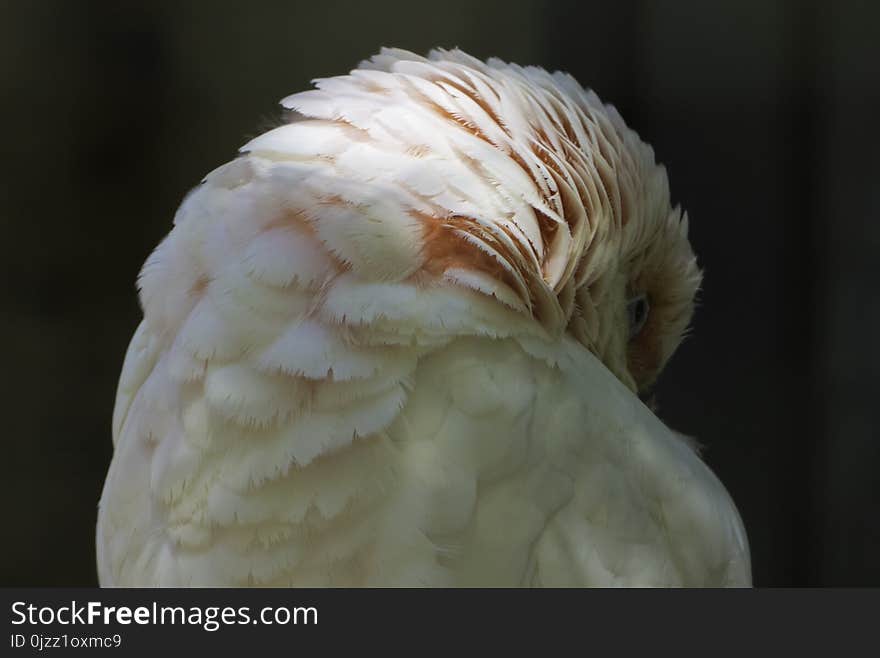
(637, 310)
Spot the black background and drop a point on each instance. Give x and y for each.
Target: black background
(765, 114)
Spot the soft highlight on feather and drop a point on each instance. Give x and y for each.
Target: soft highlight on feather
(513, 173)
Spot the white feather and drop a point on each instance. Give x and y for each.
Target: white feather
(377, 350)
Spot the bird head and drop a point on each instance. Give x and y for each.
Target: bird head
(522, 185)
(644, 301)
(643, 293)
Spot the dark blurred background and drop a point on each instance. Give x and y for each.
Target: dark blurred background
(765, 114)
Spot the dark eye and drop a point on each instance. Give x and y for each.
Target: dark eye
(637, 310)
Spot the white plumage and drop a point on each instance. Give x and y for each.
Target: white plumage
(389, 344)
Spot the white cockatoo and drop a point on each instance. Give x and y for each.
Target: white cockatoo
(400, 340)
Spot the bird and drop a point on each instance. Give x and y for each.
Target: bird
(403, 338)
